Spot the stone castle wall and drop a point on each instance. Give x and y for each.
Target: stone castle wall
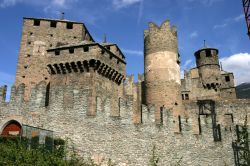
(121, 138)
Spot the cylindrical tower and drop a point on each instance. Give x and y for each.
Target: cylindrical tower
(208, 66)
(161, 67)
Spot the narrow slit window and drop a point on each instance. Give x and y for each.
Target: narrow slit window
(36, 23)
(161, 114)
(53, 24)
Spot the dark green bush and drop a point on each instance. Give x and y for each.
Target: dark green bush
(15, 151)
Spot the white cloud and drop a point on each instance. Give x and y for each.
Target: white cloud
(133, 52)
(8, 3)
(186, 66)
(205, 2)
(187, 63)
(220, 26)
(239, 64)
(117, 4)
(193, 34)
(140, 12)
(59, 2)
(240, 17)
(45, 3)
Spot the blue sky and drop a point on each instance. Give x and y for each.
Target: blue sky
(220, 22)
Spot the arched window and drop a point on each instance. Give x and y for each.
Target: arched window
(13, 128)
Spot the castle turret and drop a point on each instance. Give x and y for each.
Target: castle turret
(162, 69)
(208, 67)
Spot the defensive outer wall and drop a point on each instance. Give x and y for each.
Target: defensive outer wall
(119, 138)
(110, 121)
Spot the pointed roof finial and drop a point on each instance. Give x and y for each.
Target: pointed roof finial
(105, 38)
(221, 66)
(62, 15)
(205, 44)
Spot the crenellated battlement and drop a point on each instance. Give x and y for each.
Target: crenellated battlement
(163, 38)
(3, 91)
(66, 98)
(163, 28)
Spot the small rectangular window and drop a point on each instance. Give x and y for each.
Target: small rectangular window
(36, 22)
(57, 52)
(227, 78)
(186, 97)
(53, 24)
(71, 50)
(69, 25)
(182, 95)
(86, 49)
(208, 53)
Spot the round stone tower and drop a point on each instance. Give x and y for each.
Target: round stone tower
(208, 66)
(161, 67)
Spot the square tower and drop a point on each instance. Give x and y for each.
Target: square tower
(38, 35)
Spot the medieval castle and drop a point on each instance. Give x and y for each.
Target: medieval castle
(78, 88)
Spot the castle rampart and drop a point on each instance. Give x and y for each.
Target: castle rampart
(106, 135)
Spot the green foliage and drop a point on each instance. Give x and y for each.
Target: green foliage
(34, 142)
(16, 152)
(110, 163)
(154, 159)
(13, 152)
(245, 156)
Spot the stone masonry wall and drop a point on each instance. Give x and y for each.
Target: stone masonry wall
(161, 68)
(105, 136)
(36, 39)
